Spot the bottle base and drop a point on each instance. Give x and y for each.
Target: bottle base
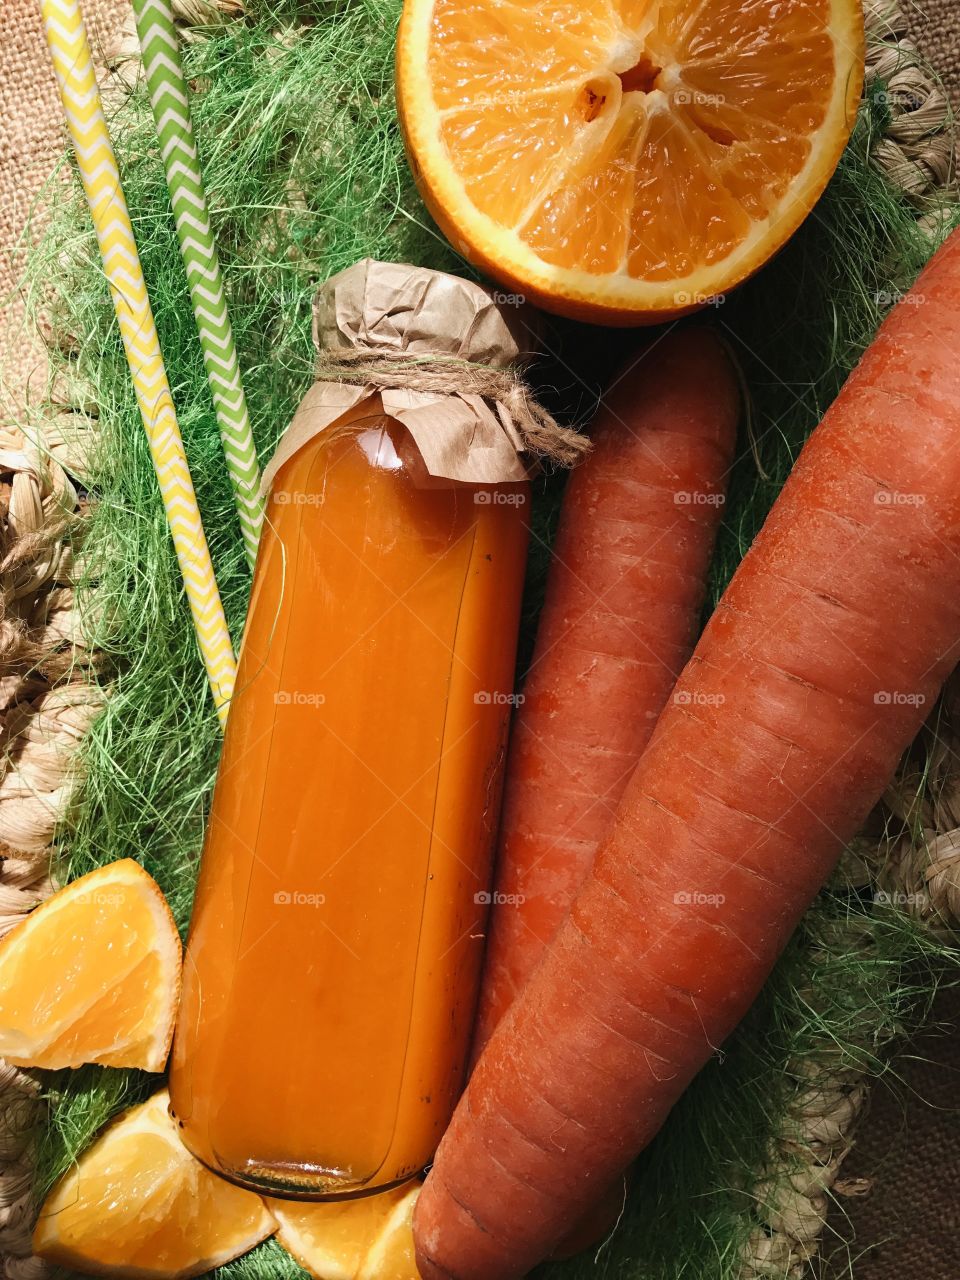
(303, 1183)
(297, 1180)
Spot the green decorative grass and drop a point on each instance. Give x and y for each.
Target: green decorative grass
(305, 170)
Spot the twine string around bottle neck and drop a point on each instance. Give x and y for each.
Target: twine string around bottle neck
(541, 434)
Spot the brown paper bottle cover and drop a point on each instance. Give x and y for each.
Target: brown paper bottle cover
(440, 351)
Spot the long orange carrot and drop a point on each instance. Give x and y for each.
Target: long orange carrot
(623, 602)
(816, 671)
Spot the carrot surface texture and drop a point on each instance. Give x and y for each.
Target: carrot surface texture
(825, 654)
(622, 608)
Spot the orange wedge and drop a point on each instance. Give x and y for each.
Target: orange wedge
(625, 161)
(92, 975)
(391, 1256)
(370, 1238)
(138, 1204)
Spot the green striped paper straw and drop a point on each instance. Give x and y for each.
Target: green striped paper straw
(171, 112)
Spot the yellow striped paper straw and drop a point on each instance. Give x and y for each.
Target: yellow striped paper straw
(70, 51)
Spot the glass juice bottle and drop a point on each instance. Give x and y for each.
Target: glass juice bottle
(333, 959)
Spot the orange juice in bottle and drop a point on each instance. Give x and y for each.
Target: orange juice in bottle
(333, 958)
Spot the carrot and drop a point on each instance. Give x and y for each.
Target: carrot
(828, 648)
(622, 608)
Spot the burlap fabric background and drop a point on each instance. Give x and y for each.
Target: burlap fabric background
(30, 137)
(903, 1222)
(935, 25)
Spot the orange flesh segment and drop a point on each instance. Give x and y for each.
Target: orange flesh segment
(138, 1204)
(92, 975)
(123, 1013)
(521, 48)
(370, 1238)
(392, 1255)
(645, 138)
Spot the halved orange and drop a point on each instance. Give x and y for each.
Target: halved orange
(625, 161)
(370, 1238)
(138, 1204)
(92, 975)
